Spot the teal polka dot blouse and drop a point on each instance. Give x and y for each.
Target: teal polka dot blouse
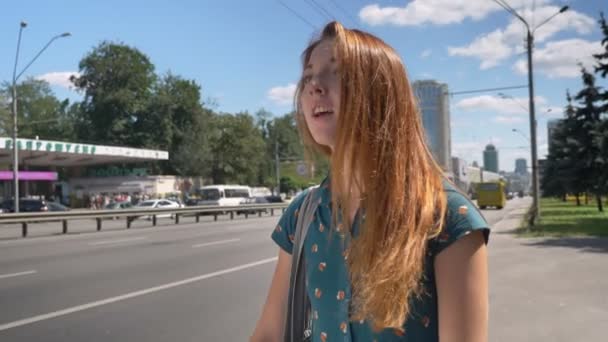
(327, 279)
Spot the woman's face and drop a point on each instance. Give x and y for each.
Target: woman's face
(320, 97)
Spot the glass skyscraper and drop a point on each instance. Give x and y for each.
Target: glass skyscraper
(490, 158)
(521, 166)
(433, 99)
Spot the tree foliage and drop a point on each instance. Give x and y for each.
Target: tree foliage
(40, 113)
(117, 82)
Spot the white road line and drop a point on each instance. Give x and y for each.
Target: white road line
(116, 241)
(215, 243)
(130, 295)
(2, 276)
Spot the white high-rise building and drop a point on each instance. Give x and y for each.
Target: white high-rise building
(433, 99)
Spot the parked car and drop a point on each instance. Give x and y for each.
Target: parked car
(119, 205)
(275, 199)
(54, 206)
(253, 200)
(192, 202)
(26, 205)
(158, 204)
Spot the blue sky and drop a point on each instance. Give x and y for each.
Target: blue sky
(245, 54)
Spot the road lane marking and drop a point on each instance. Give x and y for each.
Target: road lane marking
(215, 243)
(2, 276)
(116, 241)
(91, 305)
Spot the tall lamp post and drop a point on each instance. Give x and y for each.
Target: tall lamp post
(14, 92)
(529, 47)
(521, 133)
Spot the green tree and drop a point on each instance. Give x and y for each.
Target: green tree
(40, 113)
(117, 82)
(266, 175)
(176, 120)
(237, 149)
(565, 170)
(601, 129)
(602, 58)
(588, 114)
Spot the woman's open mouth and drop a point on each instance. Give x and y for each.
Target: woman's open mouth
(322, 111)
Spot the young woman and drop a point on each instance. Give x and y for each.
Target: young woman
(395, 252)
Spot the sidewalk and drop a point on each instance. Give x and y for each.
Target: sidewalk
(546, 289)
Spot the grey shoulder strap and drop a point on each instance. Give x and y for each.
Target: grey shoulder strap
(297, 327)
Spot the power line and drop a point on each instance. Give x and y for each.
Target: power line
(297, 15)
(315, 5)
(348, 15)
(486, 90)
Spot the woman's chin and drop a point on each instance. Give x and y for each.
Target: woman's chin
(325, 141)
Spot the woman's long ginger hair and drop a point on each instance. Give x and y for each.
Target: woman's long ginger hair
(380, 152)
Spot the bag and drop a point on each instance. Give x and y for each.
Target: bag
(298, 324)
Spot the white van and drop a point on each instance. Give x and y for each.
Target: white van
(223, 195)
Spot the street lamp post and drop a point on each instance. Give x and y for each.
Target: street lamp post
(521, 133)
(530, 44)
(16, 76)
(505, 96)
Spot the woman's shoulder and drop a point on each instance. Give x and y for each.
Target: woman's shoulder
(284, 231)
(462, 218)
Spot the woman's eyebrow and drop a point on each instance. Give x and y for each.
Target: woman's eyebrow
(309, 65)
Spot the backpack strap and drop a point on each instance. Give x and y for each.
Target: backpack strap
(298, 325)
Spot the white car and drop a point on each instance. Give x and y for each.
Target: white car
(158, 204)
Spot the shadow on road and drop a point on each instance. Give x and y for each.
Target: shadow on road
(584, 244)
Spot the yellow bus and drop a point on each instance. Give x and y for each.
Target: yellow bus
(491, 194)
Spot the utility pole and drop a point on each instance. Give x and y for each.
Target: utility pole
(529, 47)
(535, 185)
(14, 95)
(277, 165)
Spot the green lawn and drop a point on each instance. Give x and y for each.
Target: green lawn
(566, 219)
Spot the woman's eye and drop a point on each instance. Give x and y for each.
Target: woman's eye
(306, 79)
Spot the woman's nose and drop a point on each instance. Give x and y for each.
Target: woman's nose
(316, 87)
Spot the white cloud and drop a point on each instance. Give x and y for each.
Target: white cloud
(496, 104)
(490, 49)
(509, 119)
(560, 59)
(282, 95)
(469, 151)
(436, 12)
(425, 54)
(495, 47)
(60, 78)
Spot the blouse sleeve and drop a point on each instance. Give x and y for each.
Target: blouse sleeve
(283, 234)
(463, 218)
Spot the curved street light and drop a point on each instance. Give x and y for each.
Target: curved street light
(505, 96)
(529, 47)
(16, 76)
(521, 133)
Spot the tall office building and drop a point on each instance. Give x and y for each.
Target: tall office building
(433, 99)
(521, 166)
(490, 158)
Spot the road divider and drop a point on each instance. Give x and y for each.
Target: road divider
(133, 214)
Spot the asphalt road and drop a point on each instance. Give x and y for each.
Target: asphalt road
(190, 282)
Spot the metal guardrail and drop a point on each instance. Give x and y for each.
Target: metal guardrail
(132, 214)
